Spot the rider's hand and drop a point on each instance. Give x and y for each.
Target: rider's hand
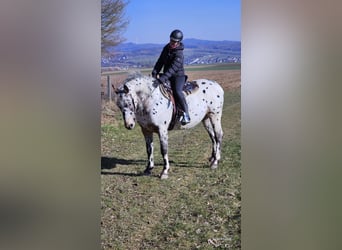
(156, 82)
(154, 74)
(162, 78)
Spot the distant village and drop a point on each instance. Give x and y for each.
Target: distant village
(199, 52)
(125, 62)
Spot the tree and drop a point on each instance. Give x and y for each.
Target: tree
(113, 23)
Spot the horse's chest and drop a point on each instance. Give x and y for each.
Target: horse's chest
(158, 112)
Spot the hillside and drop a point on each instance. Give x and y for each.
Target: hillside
(131, 55)
(196, 208)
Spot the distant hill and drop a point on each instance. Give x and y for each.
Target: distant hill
(131, 55)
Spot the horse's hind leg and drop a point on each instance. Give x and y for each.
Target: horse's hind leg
(216, 123)
(210, 130)
(149, 150)
(214, 129)
(163, 137)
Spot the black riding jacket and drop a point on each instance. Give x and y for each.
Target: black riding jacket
(172, 60)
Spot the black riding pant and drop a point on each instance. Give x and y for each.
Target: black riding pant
(177, 84)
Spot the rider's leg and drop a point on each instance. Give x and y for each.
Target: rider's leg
(178, 92)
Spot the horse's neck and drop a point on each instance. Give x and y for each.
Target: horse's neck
(143, 92)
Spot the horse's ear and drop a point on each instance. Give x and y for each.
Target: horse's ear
(116, 91)
(126, 89)
(121, 90)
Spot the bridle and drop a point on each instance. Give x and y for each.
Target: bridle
(125, 91)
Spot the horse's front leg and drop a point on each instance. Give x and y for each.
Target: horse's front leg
(163, 137)
(149, 150)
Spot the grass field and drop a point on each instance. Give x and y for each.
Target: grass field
(196, 208)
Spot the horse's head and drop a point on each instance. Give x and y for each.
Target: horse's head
(125, 102)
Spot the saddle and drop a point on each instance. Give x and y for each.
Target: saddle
(188, 89)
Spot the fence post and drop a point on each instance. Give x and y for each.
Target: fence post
(109, 89)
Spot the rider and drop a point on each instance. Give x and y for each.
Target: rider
(171, 58)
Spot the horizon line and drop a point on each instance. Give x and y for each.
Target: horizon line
(183, 40)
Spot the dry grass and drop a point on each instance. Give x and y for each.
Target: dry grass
(228, 79)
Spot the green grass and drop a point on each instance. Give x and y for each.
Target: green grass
(196, 208)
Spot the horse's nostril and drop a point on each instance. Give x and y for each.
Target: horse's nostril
(131, 125)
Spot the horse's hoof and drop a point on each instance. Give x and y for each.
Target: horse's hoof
(164, 176)
(213, 166)
(147, 172)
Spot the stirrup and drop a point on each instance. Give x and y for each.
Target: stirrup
(185, 119)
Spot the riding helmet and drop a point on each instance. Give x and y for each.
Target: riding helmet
(176, 35)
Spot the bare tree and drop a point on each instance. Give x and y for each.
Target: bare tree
(113, 23)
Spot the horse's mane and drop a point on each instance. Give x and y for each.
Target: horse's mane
(138, 75)
(134, 75)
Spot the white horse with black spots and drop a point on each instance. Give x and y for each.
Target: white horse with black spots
(141, 100)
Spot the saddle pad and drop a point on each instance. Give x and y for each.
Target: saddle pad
(190, 87)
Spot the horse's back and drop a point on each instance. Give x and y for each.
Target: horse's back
(210, 93)
(209, 85)
(207, 100)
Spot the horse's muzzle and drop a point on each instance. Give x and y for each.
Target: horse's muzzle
(129, 125)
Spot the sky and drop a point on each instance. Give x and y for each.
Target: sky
(151, 21)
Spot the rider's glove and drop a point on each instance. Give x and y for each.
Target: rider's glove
(154, 73)
(162, 78)
(157, 82)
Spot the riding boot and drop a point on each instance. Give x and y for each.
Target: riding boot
(178, 91)
(185, 119)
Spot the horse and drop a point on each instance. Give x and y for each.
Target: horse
(141, 100)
